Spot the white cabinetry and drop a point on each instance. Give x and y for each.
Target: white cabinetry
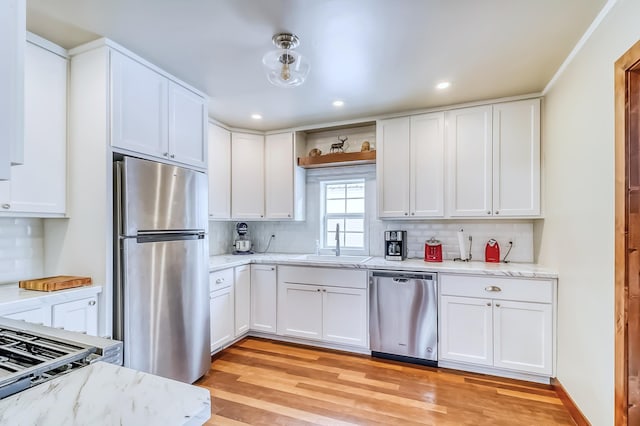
(38, 187)
(221, 307)
(416, 190)
(12, 36)
(247, 176)
(328, 305)
(494, 160)
(284, 180)
(219, 166)
(497, 322)
(73, 310)
(242, 292)
(78, 315)
(155, 116)
(263, 298)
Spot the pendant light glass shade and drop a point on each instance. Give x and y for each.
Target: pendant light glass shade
(284, 67)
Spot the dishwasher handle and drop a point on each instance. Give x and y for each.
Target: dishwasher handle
(404, 275)
(400, 280)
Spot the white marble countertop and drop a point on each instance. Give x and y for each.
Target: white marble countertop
(10, 292)
(106, 394)
(523, 270)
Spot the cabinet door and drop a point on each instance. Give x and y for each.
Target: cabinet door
(39, 185)
(138, 107)
(344, 316)
(78, 315)
(466, 332)
(279, 178)
(219, 166)
(32, 315)
(516, 158)
(187, 126)
(247, 176)
(392, 167)
(300, 310)
(242, 299)
(427, 165)
(470, 162)
(263, 298)
(12, 36)
(221, 315)
(523, 339)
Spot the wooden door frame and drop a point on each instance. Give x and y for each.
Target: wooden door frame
(630, 60)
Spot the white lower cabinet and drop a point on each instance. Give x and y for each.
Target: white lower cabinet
(221, 305)
(263, 298)
(327, 313)
(78, 315)
(32, 315)
(511, 328)
(242, 296)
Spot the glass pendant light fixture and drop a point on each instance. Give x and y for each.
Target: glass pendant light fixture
(285, 68)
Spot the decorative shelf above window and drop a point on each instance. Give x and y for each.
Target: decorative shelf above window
(338, 159)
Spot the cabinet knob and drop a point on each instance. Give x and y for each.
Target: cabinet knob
(488, 303)
(492, 288)
(166, 154)
(413, 213)
(172, 156)
(497, 305)
(497, 212)
(92, 302)
(289, 215)
(273, 269)
(219, 280)
(318, 289)
(261, 215)
(406, 214)
(489, 212)
(324, 289)
(6, 206)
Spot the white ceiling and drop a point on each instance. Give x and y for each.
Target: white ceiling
(379, 56)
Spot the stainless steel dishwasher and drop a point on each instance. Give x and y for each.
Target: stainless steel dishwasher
(403, 322)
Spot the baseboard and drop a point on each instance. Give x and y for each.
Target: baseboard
(570, 405)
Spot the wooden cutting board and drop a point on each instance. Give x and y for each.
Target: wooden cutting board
(59, 282)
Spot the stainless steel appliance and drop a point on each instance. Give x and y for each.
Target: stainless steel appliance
(242, 244)
(161, 306)
(404, 316)
(395, 245)
(31, 354)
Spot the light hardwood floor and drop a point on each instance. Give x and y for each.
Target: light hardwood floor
(263, 382)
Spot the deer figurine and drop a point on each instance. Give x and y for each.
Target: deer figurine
(338, 146)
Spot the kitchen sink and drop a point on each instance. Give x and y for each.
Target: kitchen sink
(332, 258)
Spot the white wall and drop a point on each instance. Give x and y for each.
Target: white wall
(21, 249)
(577, 236)
(300, 237)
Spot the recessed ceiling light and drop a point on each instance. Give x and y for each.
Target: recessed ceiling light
(443, 85)
(256, 116)
(338, 103)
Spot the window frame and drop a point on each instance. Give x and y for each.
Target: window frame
(324, 217)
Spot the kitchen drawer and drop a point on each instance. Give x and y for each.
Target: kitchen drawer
(220, 279)
(520, 289)
(335, 277)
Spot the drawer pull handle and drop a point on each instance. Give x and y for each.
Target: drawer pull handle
(493, 288)
(219, 280)
(488, 303)
(92, 302)
(6, 206)
(497, 305)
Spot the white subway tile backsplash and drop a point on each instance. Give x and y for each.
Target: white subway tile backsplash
(21, 249)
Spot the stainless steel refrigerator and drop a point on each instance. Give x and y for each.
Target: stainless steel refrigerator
(161, 297)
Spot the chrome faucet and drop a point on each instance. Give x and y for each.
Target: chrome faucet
(337, 239)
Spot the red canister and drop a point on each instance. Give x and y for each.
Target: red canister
(432, 250)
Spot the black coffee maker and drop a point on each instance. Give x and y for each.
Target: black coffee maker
(395, 245)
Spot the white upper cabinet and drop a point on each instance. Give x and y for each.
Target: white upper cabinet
(38, 187)
(187, 126)
(247, 176)
(392, 167)
(219, 165)
(155, 116)
(410, 166)
(470, 161)
(427, 165)
(139, 107)
(12, 36)
(516, 158)
(284, 180)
